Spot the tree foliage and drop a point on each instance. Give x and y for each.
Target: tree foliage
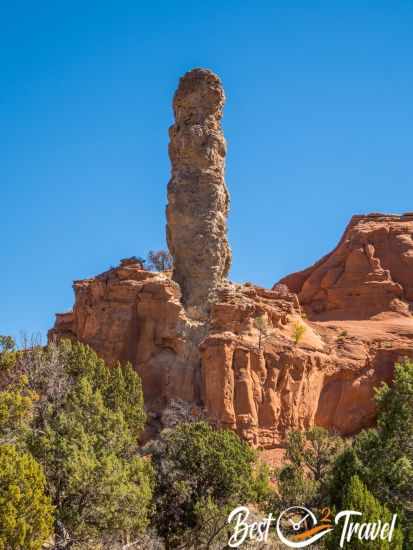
(357, 497)
(7, 352)
(383, 456)
(26, 513)
(314, 449)
(294, 488)
(159, 260)
(346, 465)
(54, 371)
(16, 412)
(298, 332)
(303, 479)
(85, 436)
(196, 464)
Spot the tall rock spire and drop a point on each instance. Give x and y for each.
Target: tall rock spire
(198, 199)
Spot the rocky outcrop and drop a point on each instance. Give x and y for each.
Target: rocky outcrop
(129, 314)
(261, 362)
(245, 369)
(325, 377)
(370, 271)
(198, 199)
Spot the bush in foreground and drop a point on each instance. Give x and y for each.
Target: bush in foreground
(358, 497)
(199, 469)
(85, 434)
(26, 513)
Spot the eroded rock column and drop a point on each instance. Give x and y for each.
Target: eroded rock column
(198, 199)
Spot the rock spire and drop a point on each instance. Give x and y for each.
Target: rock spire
(198, 199)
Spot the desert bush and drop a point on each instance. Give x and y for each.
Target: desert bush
(264, 329)
(16, 414)
(358, 497)
(298, 332)
(159, 260)
(315, 450)
(85, 436)
(26, 513)
(382, 457)
(7, 352)
(304, 479)
(197, 469)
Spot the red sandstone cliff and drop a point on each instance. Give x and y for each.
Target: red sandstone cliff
(349, 346)
(234, 352)
(370, 271)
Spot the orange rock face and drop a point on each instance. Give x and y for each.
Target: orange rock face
(129, 314)
(258, 365)
(369, 272)
(261, 362)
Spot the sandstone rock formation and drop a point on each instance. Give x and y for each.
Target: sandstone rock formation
(198, 199)
(255, 378)
(249, 358)
(370, 271)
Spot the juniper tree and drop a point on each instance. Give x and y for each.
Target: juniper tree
(26, 513)
(357, 497)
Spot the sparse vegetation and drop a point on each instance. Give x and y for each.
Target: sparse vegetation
(264, 329)
(298, 332)
(133, 260)
(159, 260)
(7, 352)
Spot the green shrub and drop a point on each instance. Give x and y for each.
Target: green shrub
(16, 411)
(86, 439)
(357, 497)
(7, 352)
(26, 514)
(382, 457)
(195, 463)
(298, 332)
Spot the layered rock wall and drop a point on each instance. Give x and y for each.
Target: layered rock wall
(256, 379)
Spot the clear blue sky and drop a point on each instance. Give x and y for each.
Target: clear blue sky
(318, 120)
